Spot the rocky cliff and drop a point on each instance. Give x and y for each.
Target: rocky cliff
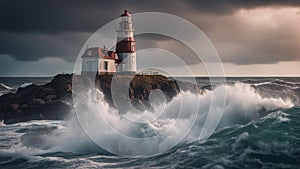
(53, 101)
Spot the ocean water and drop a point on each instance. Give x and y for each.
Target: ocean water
(11, 84)
(243, 139)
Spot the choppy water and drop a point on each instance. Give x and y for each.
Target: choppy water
(242, 139)
(11, 84)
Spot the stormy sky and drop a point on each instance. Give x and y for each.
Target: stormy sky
(253, 38)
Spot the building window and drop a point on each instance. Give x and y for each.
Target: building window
(105, 65)
(89, 53)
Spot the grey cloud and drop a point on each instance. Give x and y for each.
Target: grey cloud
(243, 42)
(34, 29)
(30, 47)
(169, 44)
(46, 66)
(229, 6)
(54, 16)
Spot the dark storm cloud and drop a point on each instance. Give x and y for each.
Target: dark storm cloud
(30, 47)
(34, 29)
(169, 44)
(53, 16)
(229, 6)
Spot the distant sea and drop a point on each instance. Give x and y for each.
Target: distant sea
(11, 84)
(240, 141)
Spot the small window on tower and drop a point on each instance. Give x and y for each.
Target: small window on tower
(132, 46)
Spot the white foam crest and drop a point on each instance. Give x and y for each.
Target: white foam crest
(105, 123)
(5, 86)
(2, 123)
(106, 127)
(23, 152)
(279, 116)
(242, 97)
(243, 102)
(37, 122)
(25, 85)
(279, 82)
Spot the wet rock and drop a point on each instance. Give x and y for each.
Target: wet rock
(51, 97)
(53, 101)
(38, 102)
(15, 106)
(34, 102)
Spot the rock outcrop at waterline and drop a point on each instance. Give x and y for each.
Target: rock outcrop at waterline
(53, 101)
(45, 102)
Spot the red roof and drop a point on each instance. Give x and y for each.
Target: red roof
(125, 13)
(99, 52)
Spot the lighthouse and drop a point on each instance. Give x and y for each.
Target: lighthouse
(125, 47)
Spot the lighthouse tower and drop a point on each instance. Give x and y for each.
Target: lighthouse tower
(125, 47)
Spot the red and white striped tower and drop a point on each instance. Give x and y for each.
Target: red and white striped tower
(125, 47)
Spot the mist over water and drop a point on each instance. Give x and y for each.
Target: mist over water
(170, 129)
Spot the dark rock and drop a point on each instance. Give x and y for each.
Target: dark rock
(14, 106)
(51, 97)
(140, 86)
(53, 101)
(33, 102)
(38, 102)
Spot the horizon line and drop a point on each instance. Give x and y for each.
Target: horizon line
(226, 76)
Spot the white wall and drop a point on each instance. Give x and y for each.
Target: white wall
(111, 66)
(129, 62)
(90, 64)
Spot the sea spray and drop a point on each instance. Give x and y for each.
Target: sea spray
(108, 129)
(268, 142)
(68, 136)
